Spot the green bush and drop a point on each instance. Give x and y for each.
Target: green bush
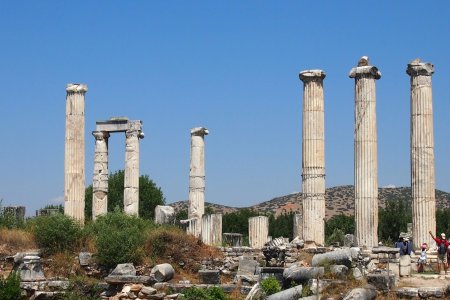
(119, 238)
(55, 233)
(82, 288)
(270, 286)
(10, 287)
(213, 293)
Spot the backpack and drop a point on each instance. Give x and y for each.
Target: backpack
(442, 249)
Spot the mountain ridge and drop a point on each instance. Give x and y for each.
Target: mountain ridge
(338, 200)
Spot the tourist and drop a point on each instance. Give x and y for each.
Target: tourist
(442, 246)
(405, 247)
(421, 262)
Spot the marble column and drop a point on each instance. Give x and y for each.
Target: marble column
(298, 226)
(131, 181)
(313, 157)
(365, 147)
(212, 229)
(74, 152)
(258, 231)
(100, 176)
(422, 152)
(196, 207)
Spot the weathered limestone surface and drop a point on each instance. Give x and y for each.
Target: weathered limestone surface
(233, 239)
(422, 152)
(31, 269)
(298, 226)
(192, 226)
(338, 257)
(366, 158)
(162, 272)
(212, 229)
(100, 176)
(74, 152)
(300, 274)
(313, 157)
(131, 181)
(291, 293)
(258, 231)
(164, 214)
(196, 207)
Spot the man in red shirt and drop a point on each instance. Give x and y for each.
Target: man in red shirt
(442, 246)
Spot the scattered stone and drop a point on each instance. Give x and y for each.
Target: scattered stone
(31, 269)
(121, 279)
(407, 292)
(382, 280)
(337, 257)
(255, 293)
(367, 293)
(349, 240)
(340, 271)
(301, 274)
(124, 269)
(209, 276)
(291, 293)
(162, 272)
(357, 274)
(147, 290)
(430, 292)
(247, 266)
(85, 258)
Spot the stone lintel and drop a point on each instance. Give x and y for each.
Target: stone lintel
(419, 68)
(118, 125)
(308, 75)
(364, 69)
(76, 88)
(200, 131)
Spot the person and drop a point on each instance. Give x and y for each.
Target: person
(421, 262)
(399, 243)
(442, 246)
(405, 247)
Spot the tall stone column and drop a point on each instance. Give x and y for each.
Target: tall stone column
(366, 160)
(131, 181)
(74, 153)
(196, 207)
(313, 157)
(422, 152)
(258, 231)
(100, 176)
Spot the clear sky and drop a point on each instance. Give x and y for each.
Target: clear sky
(230, 66)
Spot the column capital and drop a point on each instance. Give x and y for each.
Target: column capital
(311, 75)
(100, 135)
(419, 68)
(76, 88)
(199, 131)
(134, 133)
(364, 69)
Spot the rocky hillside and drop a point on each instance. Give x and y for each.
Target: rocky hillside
(339, 200)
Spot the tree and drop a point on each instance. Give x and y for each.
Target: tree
(337, 226)
(149, 195)
(237, 222)
(393, 219)
(282, 225)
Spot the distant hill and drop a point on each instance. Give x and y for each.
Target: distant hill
(339, 200)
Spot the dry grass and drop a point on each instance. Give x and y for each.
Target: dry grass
(183, 251)
(62, 264)
(339, 290)
(16, 240)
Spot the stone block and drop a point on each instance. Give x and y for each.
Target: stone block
(382, 281)
(407, 292)
(85, 258)
(124, 269)
(209, 276)
(247, 266)
(31, 269)
(431, 292)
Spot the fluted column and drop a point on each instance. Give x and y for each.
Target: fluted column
(100, 176)
(422, 152)
(74, 152)
(258, 231)
(313, 157)
(196, 207)
(366, 160)
(131, 181)
(212, 229)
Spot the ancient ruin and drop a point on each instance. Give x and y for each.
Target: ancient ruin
(196, 207)
(211, 230)
(74, 152)
(258, 231)
(422, 152)
(313, 157)
(366, 161)
(133, 132)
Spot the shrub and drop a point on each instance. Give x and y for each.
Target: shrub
(55, 233)
(10, 287)
(82, 288)
(270, 286)
(214, 293)
(171, 244)
(119, 238)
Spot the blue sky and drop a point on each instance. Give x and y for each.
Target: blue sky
(230, 66)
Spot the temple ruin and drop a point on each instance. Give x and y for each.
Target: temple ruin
(133, 132)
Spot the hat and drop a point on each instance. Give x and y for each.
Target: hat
(406, 239)
(443, 234)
